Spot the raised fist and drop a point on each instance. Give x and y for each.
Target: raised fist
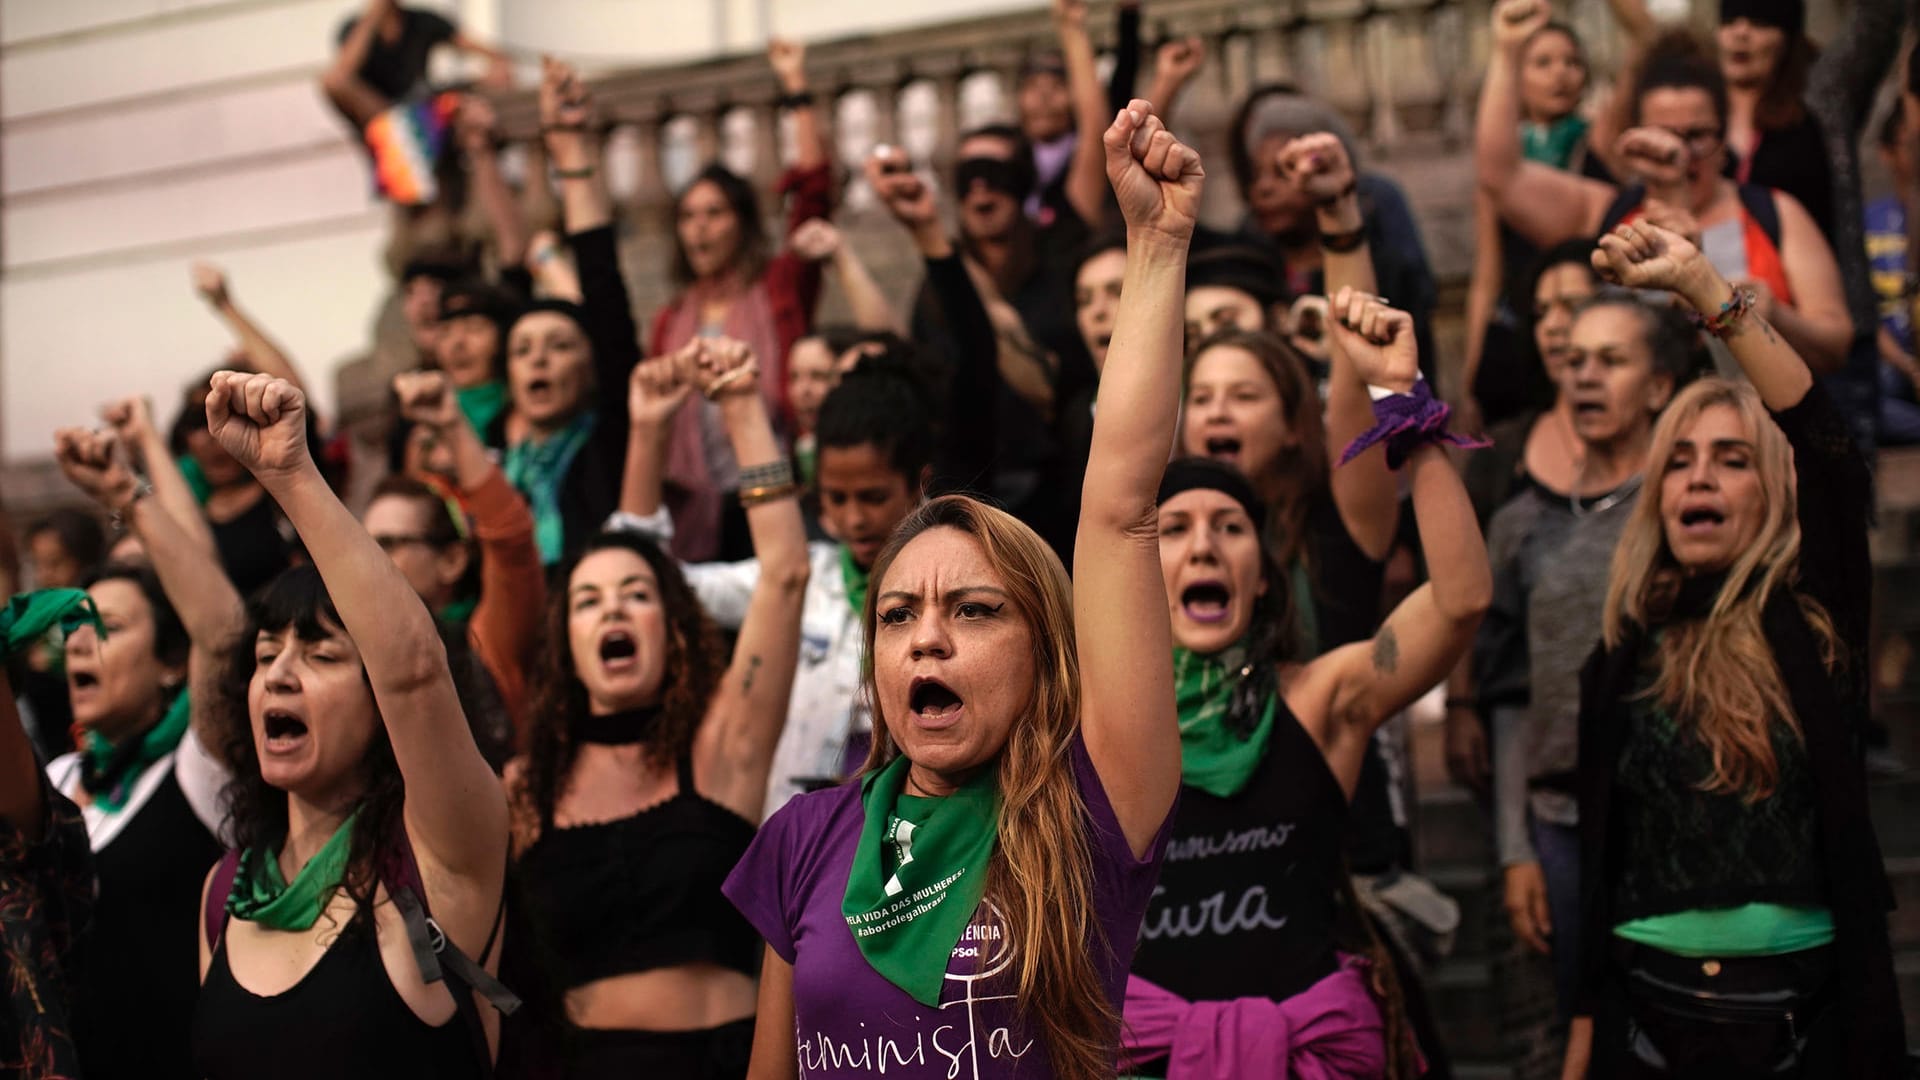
(816, 240)
(1639, 255)
(1155, 176)
(723, 368)
(659, 386)
(1654, 155)
(1514, 21)
(789, 61)
(1378, 339)
(565, 105)
(210, 282)
(1317, 164)
(260, 420)
(130, 418)
(1178, 60)
(91, 461)
(426, 397)
(905, 195)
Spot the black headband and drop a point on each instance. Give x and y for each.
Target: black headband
(1787, 15)
(1198, 473)
(999, 174)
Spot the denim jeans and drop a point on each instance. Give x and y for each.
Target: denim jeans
(1558, 847)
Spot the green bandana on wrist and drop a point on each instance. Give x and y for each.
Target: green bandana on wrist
(482, 404)
(855, 579)
(918, 876)
(108, 772)
(1212, 757)
(262, 895)
(30, 615)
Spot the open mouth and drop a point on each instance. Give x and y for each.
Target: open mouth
(1589, 408)
(1223, 446)
(1701, 517)
(82, 680)
(1103, 340)
(1206, 601)
(618, 650)
(284, 730)
(933, 700)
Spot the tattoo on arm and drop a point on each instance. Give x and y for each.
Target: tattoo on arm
(1386, 651)
(753, 668)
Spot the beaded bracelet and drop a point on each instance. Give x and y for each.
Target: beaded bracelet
(771, 474)
(1721, 323)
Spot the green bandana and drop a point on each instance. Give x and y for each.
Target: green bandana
(196, 478)
(1213, 758)
(537, 468)
(261, 895)
(918, 876)
(855, 579)
(482, 404)
(30, 615)
(1552, 144)
(108, 772)
(460, 612)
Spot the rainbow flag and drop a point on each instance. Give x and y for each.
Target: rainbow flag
(406, 141)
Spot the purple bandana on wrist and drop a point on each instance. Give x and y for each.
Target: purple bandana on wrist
(1406, 422)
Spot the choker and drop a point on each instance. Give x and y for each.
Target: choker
(624, 728)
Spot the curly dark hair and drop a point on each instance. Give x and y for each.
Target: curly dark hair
(696, 659)
(256, 810)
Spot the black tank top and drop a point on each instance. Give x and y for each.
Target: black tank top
(641, 893)
(344, 1018)
(1246, 900)
(136, 972)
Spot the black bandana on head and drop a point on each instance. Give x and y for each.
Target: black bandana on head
(1198, 473)
(998, 174)
(1787, 15)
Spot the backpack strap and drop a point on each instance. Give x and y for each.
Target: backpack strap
(1759, 204)
(438, 957)
(1625, 202)
(221, 887)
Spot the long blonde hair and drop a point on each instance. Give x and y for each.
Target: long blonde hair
(1040, 878)
(1717, 676)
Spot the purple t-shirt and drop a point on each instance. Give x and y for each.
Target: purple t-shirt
(849, 1021)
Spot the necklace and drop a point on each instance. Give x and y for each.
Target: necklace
(1606, 502)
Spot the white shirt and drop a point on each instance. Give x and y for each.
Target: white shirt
(825, 708)
(202, 780)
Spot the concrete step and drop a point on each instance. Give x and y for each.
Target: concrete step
(1451, 830)
(1466, 1009)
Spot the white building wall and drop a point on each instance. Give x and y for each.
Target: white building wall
(139, 135)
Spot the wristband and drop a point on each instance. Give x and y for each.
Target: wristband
(1342, 243)
(1406, 422)
(799, 100)
(1462, 703)
(752, 497)
(584, 172)
(142, 487)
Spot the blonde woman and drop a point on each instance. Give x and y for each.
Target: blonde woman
(970, 906)
(1734, 905)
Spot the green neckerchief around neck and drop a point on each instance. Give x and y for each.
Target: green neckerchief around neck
(918, 875)
(108, 772)
(855, 579)
(482, 404)
(1553, 143)
(537, 468)
(1212, 757)
(261, 894)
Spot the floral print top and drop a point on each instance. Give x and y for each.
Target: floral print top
(46, 895)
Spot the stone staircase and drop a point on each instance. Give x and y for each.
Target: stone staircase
(1454, 846)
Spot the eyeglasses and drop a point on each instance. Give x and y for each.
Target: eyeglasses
(1700, 141)
(390, 542)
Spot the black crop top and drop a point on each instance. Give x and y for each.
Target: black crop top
(641, 893)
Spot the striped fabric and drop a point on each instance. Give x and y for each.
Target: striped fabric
(406, 141)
